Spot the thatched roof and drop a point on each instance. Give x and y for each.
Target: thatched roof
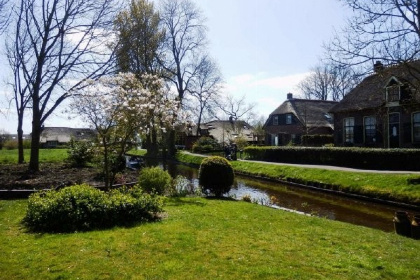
(313, 113)
(370, 93)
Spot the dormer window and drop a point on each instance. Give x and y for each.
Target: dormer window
(289, 119)
(276, 120)
(393, 90)
(393, 93)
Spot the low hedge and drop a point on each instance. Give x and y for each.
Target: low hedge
(362, 158)
(82, 207)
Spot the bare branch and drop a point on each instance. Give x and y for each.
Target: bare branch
(56, 45)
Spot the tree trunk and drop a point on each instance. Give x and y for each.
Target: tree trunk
(106, 163)
(21, 158)
(35, 145)
(171, 143)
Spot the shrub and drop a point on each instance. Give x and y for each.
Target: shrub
(205, 145)
(10, 144)
(82, 207)
(80, 153)
(216, 175)
(363, 158)
(155, 180)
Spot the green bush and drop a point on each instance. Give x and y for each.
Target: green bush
(10, 144)
(80, 153)
(205, 145)
(82, 207)
(155, 180)
(216, 175)
(363, 158)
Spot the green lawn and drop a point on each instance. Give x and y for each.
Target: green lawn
(45, 155)
(208, 239)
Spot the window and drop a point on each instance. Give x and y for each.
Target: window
(370, 129)
(349, 130)
(289, 119)
(276, 120)
(416, 127)
(393, 93)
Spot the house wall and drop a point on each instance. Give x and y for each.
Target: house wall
(286, 133)
(382, 139)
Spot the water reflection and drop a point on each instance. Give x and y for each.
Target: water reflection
(302, 200)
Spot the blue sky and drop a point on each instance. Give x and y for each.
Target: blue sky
(263, 48)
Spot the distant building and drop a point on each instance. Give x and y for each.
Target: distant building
(296, 117)
(226, 132)
(52, 137)
(383, 110)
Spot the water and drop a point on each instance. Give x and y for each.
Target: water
(304, 201)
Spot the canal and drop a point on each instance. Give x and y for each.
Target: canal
(304, 201)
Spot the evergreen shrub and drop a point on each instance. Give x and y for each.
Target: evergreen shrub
(155, 180)
(82, 207)
(205, 145)
(354, 157)
(216, 175)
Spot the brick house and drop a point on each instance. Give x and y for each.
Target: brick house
(382, 111)
(297, 117)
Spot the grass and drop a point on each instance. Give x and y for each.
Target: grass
(208, 239)
(387, 186)
(45, 155)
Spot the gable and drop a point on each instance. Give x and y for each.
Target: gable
(371, 92)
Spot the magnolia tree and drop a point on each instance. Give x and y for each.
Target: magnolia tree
(122, 107)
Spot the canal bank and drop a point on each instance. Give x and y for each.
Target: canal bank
(399, 189)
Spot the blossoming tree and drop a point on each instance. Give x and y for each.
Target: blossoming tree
(122, 107)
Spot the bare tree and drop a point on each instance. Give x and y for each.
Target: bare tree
(318, 84)
(237, 108)
(185, 40)
(386, 30)
(56, 45)
(205, 89)
(329, 81)
(4, 14)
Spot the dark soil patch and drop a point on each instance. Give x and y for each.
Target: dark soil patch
(53, 175)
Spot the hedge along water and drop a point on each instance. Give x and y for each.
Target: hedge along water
(303, 200)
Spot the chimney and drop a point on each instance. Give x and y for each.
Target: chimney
(289, 96)
(378, 66)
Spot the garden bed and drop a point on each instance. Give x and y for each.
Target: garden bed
(53, 175)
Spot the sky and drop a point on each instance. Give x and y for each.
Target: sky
(264, 48)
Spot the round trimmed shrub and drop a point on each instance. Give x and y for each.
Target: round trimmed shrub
(155, 180)
(216, 175)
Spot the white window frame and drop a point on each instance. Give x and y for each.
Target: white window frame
(370, 125)
(288, 118)
(348, 124)
(414, 124)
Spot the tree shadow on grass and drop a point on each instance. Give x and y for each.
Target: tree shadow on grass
(179, 201)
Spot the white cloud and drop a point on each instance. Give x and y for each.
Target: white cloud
(282, 82)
